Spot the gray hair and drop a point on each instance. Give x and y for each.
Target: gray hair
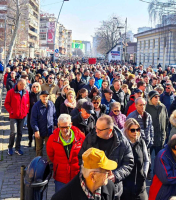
(85, 172)
(114, 105)
(64, 118)
(91, 78)
(136, 100)
(7, 69)
(80, 103)
(45, 72)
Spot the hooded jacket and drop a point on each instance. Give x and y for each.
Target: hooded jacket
(120, 152)
(167, 99)
(64, 169)
(164, 179)
(160, 122)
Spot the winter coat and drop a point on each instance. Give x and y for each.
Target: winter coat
(86, 79)
(167, 99)
(74, 191)
(43, 119)
(119, 120)
(147, 131)
(74, 112)
(102, 112)
(148, 88)
(10, 84)
(65, 110)
(16, 105)
(79, 123)
(160, 122)
(64, 169)
(135, 184)
(5, 78)
(53, 91)
(130, 106)
(107, 104)
(59, 101)
(120, 97)
(164, 179)
(120, 152)
(98, 82)
(77, 85)
(172, 107)
(89, 88)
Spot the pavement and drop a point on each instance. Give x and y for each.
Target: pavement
(10, 166)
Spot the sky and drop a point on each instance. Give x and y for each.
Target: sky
(84, 16)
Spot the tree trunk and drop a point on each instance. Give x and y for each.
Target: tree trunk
(13, 39)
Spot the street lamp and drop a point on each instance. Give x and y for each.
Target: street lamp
(56, 25)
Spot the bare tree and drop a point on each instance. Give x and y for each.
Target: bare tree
(17, 10)
(108, 34)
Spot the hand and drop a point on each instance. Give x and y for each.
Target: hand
(55, 127)
(111, 177)
(37, 134)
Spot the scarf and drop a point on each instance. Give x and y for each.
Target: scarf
(68, 104)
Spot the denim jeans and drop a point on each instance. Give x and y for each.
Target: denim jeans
(58, 185)
(16, 127)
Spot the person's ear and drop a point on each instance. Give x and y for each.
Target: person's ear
(110, 132)
(92, 177)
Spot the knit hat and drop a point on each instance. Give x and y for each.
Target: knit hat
(152, 94)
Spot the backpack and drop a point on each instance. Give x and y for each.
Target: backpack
(1, 68)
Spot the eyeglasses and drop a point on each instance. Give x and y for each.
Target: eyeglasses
(157, 97)
(101, 129)
(35, 86)
(95, 102)
(116, 110)
(168, 88)
(64, 127)
(51, 78)
(133, 130)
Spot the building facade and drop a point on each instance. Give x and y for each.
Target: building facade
(63, 39)
(28, 31)
(157, 46)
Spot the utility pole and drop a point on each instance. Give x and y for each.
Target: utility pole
(56, 26)
(125, 37)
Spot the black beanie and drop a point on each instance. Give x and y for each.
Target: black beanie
(152, 94)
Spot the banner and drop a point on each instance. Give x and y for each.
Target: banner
(115, 53)
(51, 32)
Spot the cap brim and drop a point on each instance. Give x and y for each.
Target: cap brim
(90, 111)
(110, 165)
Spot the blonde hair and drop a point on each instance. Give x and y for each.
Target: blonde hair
(129, 122)
(39, 86)
(124, 86)
(70, 92)
(173, 118)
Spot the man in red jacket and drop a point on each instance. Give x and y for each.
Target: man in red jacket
(62, 148)
(17, 105)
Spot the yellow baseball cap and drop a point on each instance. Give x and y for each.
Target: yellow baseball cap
(94, 158)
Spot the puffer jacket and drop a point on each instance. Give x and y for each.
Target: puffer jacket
(64, 169)
(130, 106)
(147, 128)
(17, 106)
(160, 122)
(164, 179)
(120, 152)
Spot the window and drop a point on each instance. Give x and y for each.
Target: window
(42, 36)
(148, 44)
(153, 58)
(153, 43)
(43, 30)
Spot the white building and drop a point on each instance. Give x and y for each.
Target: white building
(157, 46)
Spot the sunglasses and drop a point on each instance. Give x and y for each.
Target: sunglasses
(35, 86)
(51, 78)
(116, 110)
(168, 88)
(133, 130)
(95, 102)
(157, 97)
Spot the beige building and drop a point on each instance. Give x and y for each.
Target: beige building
(28, 32)
(63, 39)
(157, 46)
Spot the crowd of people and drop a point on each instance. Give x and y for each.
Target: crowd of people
(100, 124)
